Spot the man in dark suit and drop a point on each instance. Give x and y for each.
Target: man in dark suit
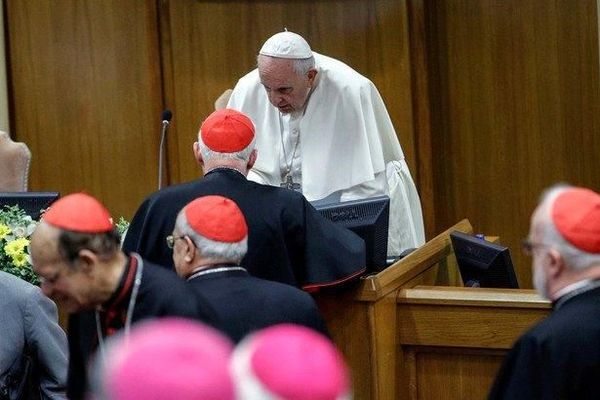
(559, 358)
(31, 341)
(289, 241)
(209, 241)
(75, 250)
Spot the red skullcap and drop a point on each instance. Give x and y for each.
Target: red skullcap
(294, 363)
(217, 218)
(79, 212)
(170, 358)
(576, 215)
(227, 131)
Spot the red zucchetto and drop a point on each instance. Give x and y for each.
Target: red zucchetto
(217, 218)
(79, 212)
(576, 215)
(227, 131)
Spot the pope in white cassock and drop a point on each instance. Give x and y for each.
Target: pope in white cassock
(322, 129)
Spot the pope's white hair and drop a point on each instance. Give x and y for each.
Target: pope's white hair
(303, 65)
(232, 252)
(208, 154)
(574, 257)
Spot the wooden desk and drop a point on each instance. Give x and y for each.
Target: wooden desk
(398, 338)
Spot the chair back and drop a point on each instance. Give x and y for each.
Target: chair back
(223, 99)
(15, 159)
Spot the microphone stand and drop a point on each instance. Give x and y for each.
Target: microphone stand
(161, 151)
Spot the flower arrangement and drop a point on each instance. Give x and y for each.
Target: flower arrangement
(16, 228)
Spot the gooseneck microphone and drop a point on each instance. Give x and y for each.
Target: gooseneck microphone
(166, 120)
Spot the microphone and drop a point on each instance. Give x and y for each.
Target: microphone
(166, 120)
(166, 116)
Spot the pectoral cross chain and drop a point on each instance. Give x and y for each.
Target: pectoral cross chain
(290, 184)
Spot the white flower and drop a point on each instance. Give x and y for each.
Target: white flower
(31, 228)
(19, 231)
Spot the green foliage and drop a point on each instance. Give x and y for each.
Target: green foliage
(122, 226)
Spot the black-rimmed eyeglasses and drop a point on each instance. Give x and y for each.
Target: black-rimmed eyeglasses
(171, 240)
(528, 246)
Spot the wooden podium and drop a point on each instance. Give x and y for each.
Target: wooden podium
(411, 331)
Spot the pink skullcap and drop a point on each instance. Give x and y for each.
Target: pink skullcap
(296, 363)
(216, 218)
(79, 212)
(227, 131)
(576, 215)
(170, 359)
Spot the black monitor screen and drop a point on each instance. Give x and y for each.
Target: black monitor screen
(482, 263)
(369, 219)
(31, 202)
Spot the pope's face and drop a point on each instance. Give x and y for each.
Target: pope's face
(286, 89)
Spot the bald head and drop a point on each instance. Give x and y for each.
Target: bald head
(44, 243)
(557, 262)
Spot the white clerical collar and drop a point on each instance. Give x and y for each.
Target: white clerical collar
(574, 289)
(205, 271)
(224, 167)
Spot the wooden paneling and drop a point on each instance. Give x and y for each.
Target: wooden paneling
(86, 95)
(493, 100)
(447, 374)
(515, 107)
(351, 324)
(211, 44)
(421, 103)
(452, 340)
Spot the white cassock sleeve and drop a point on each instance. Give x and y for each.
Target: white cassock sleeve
(406, 218)
(406, 228)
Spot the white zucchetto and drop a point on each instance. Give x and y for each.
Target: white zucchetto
(286, 45)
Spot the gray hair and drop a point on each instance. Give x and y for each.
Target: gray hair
(233, 252)
(208, 154)
(301, 66)
(574, 257)
(105, 245)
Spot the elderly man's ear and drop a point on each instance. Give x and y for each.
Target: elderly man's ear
(197, 153)
(556, 264)
(252, 158)
(86, 259)
(311, 74)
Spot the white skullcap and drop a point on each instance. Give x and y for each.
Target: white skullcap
(286, 45)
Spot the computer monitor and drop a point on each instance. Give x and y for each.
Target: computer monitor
(369, 219)
(31, 202)
(482, 263)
